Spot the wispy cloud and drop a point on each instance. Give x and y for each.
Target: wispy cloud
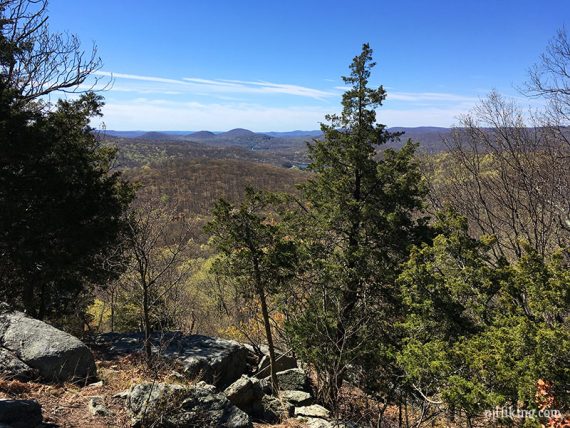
(430, 96)
(137, 77)
(424, 96)
(269, 87)
(202, 86)
(194, 103)
(428, 116)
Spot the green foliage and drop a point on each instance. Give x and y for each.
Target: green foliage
(256, 254)
(254, 249)
(480, 334)
(357, 226)
(128, 316)
(62, 208)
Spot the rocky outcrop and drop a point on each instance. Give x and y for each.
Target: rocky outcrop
(248, 394)
(274, 409)
(20, 413)
(216, 361)
(245, 400)
(254, 396)
(56, 355)
(173, 406)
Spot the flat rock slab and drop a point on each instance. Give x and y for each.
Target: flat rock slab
(56, 355)
(297, 398)
(312, 411)
(216, 361)
(282, 362)
(20, 413)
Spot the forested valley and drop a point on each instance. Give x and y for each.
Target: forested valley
(414, 282)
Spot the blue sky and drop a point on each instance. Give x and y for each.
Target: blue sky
(276, 65)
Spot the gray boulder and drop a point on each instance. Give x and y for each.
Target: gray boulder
(283, 361)
(246, 393)
(315, 422)
(216, 361)
(274, 409)
(11, 367)
(177, 406)
(147, 401)
(20, 413)
(293, 380)
(56, 355)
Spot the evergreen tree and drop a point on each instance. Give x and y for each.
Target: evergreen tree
(61, 209)
(480, 333)
(256, 255)
(357, 224)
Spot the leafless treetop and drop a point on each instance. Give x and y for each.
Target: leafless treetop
(40, 62)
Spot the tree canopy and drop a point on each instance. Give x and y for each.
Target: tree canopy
(62, 207)
(357, 225)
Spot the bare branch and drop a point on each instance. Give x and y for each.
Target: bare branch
(41, 62)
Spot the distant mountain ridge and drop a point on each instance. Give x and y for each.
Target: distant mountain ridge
(153, 135)
(296, 133)
(246, 132)
(239, 132)
(290, 144)
(201, 135)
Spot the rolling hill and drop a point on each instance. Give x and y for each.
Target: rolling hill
(287, 149)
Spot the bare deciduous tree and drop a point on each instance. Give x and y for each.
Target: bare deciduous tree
(550, 78)
(36, 61)
(158, 246)
(511, 179)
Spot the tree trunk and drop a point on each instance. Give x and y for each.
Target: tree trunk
(28, 299)
(349, 298)
(112, 310)
(266, 323)
(42, 309)
(146, 326)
